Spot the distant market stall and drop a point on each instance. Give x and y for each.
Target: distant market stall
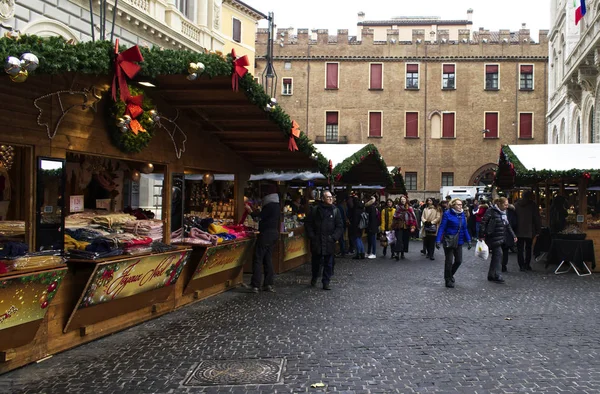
(558, 173)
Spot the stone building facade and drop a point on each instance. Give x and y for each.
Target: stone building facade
(574, 57)
(425, 105)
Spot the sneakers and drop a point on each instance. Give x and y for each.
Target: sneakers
(326, 286)
(269, 289)
(371, 256)
(449, 283)
(255, 289)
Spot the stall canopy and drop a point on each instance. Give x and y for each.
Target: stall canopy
(398, 186)
(356, 164)
(523, 165)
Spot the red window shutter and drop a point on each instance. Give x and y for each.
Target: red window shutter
(412, 124)
(332, 118)
(525, 126)
(332, 75)
(527, 69)
(412, 68)
(448, 68)
(376, 76)
(491, 69)
(287, 81)
(448, 124)
(375, 124)
(491, 124)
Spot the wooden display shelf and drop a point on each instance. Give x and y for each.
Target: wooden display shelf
(35, 270)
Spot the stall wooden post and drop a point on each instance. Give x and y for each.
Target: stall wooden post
(547, 203)
(582, 211)
(239, 183)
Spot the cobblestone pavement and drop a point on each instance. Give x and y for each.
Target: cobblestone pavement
(386, 327)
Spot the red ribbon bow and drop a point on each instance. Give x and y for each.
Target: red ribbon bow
(239, 69)
(295, 133)
(124, 64)
(330, 166)
(134, 106)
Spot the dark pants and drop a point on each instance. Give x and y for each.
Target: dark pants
(351, 245)
(450, 266)
(495, 262)
(402, 239)
(327, 262)
(371, 243)
(429, 244)
(342, 242)
(505, 251)
(524, 252)
(263, 258)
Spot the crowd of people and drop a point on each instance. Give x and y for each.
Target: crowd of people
(449, 224)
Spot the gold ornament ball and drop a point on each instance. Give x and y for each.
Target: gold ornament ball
(135, 176)
(193, 68)
(20, 77)
(148, 168)
(208, 178)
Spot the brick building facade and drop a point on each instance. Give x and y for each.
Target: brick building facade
(424, 104)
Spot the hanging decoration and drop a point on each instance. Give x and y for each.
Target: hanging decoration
(125, 64)
(294, 133)
(194, 70)
(131, 123)
(271, 105)
(7, 156)
(239, 69)
(172, 132)
(89, 99)
(208, 178)
(19, 69)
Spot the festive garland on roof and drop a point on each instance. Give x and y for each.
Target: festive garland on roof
(57, 56)
(358, 157)
(510, 165)
(398, 180)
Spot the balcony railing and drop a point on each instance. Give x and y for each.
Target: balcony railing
(188, 29)
(142, 5)
(320, 139)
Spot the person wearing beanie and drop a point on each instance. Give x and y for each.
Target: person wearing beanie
(268, 227)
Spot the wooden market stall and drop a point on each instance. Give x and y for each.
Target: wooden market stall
(566, 182)
(71, 167)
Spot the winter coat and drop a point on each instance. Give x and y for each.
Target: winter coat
(354, 218)
(268, 222)
(511, 215)
(481, 212)
(404, 218)
(373, 226)
(451, 221)
(493, 228)
(323, 227)
(431, 215)
(528, 216)
(387, 217)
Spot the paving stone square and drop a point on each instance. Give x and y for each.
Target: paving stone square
(385, 327)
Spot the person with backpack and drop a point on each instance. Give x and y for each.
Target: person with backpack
(372, 227)
(323, 227)
(356, 208)
(404, 224)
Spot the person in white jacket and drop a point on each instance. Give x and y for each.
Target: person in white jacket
(430, 220)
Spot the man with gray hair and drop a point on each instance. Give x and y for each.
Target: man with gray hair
(324, 227)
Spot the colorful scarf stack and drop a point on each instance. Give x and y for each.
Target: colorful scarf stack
(146, 228)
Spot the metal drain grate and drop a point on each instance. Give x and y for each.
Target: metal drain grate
(236, 372)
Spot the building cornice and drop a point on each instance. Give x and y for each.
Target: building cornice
(414, 58)
(246, 9)
(415, 22)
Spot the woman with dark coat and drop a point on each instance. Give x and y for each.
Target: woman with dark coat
(509, 244)
(453, 223)
(355, 210)
(372, 228)
(495, 228)
(404, 224)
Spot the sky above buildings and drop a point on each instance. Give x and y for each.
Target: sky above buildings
(342, 14)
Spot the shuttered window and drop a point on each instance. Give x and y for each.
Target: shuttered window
(412, 125)
(526, 79)
(286, 86)
(376, 76)
(374, 124)
(526, 125)
(237, 30)
(491, 77)
(448, 76)
(332, 76)
(412, 76)
(448, 125)
(491, 125)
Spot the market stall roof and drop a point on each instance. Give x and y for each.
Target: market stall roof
(522, 165)
(243, 126)
(398, 186)
(356, 164)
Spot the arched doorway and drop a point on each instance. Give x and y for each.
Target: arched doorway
(484, 175)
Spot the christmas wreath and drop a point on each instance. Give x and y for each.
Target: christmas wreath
(131, 123)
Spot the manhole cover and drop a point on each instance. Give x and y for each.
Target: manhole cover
(236, 372)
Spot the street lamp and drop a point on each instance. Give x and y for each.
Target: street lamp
(269, 76)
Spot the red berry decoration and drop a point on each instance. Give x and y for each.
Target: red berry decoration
(52, 286)
(44, 304)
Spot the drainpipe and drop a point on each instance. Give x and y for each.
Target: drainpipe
(517, 104)
(545, 102)
(307, 86)
(425, 128)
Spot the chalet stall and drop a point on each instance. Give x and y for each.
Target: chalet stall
(109, 213)
(566, 182)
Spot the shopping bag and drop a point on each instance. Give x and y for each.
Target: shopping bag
(481, 250)
(391, 236)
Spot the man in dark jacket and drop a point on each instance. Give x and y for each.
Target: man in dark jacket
(528, 227)
(268, 227)
(324, 227)
(495, 228)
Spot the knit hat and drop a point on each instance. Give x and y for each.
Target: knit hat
(270, 188)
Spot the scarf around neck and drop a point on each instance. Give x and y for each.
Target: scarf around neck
(503, 213)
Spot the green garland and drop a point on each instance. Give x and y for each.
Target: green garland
(398, 181)
(127, 141)
(349, 163)
(57, 57)
(525, 177)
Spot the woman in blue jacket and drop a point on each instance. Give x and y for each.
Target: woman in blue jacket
(453, 222)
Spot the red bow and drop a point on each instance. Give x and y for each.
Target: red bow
(295, 133)
(134, 106)
(239, 69)
(330, 166)
(124, 64)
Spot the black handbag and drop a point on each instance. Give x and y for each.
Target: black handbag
(431, 228)
(451, 241)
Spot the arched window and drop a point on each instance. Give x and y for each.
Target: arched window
(591, 126)
(578, 131)
(554, 136)
(436, 126)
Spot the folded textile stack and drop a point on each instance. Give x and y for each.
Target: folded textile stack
(88, 255)
(12, 228)
(12, 250)
(82, 219)
(113, 221)
(86, 234)
(195, 236)
(177, 236)
(27, 262)
(147, 228)
(72, 243)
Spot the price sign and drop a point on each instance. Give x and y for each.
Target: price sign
(76, 204)
(103, 204)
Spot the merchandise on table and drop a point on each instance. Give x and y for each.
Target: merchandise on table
(12, 228)
(146, 228)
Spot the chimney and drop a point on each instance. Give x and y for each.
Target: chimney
(418, 34)
(361, 17)
(524, 35)
(470, 15)
(464, 35)
(393, 36)
(543, 37)
(342, 36)
(504, 36)
(322, 36)
(367, 35)
(302, 36)
(443, 36)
